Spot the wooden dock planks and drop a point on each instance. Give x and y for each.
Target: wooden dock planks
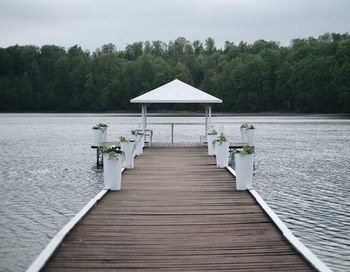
(176, 212)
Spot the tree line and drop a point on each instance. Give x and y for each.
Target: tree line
(310, 75)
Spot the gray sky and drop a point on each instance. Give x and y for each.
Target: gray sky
(92, 23)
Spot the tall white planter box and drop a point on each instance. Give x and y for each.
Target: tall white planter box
(139, 147)
(97, 137)
(244, 135)
(222, 154)
(244, 171)
(128, 148)
(104, 134)
(138, 144)
(142, 143)
(112, 172)
(250, 136)
(211, 145)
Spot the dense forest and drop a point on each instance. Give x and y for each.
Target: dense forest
(309, 75)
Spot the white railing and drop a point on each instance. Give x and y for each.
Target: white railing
(172, 124)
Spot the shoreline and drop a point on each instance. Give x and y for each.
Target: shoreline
(184, 113)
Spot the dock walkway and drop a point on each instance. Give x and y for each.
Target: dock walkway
(176, 212)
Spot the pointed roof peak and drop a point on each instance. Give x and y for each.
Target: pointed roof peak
(176, 91)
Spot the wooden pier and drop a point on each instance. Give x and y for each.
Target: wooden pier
(176, 212)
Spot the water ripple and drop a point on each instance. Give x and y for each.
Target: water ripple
(48, 173)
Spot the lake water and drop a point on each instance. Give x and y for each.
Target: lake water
(48, 173)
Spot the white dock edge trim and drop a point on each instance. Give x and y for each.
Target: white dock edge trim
(44, 256)
(299, 246)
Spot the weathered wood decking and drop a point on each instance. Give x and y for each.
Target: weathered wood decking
(176, 212)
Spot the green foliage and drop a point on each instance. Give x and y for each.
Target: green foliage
(244, 125)
(310, 75)
(246, 150)
(113, 152)
(122, 139)
(134, 132)
(222, 138)
(100, 126)
(213, 132)
(125, 140)
(251, 127)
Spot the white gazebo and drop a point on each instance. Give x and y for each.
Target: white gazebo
(176, 91)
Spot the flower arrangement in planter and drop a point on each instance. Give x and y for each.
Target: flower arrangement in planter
(243, 160)
(127, 146)
(243, 130)
(211, 142)
(139, 142)
(112, 166)
(222, 151)
(103, 127)
(99, 134)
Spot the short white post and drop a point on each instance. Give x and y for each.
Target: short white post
(244, 171)
(112, 172)
(222, 154)
(172, 132)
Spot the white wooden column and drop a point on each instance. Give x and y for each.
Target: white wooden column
(206, 120)
(144, 115)
(209, 118)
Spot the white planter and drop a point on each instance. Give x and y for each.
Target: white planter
(112, 172)
(211, 146)
(250, 136)
(244, 135)
(104, 134)
(142, 143)
(135, 138)
(128, 148)
(138, 144)
(222, 154)
(244, 171)
(97, 137)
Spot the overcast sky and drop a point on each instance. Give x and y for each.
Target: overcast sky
(92, 23)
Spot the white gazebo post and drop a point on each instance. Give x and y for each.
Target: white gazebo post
(206, 120)
(209, 118)
(144, 117)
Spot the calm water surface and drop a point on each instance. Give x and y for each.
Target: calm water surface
(48, 173)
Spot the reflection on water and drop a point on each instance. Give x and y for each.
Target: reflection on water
(48, 174)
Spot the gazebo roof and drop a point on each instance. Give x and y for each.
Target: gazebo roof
(176, 91)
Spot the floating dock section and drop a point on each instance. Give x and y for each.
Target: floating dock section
(177, 212)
